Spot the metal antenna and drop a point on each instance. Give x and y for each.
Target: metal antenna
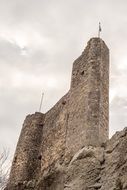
(99, 30)
(41, 102)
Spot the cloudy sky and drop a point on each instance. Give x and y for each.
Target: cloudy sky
(39, 40)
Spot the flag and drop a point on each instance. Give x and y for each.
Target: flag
(100, 27)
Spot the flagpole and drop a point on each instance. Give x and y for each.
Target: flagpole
(99, 30)
(98, 34)
(41, 102)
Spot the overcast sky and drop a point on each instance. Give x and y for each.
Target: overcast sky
(39, 40)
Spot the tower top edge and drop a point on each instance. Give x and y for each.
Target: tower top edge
(96, 40)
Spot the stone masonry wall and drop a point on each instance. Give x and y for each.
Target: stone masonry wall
(104, 96)
(88, 102)
(76, 120)
(54, 133)
(79, 119)
(26, 160)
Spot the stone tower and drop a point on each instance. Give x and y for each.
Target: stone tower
(89, 115)
(79, 119)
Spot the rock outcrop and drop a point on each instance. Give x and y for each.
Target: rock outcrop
(103, 168)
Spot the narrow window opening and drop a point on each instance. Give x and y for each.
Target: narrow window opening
(82, 73)
(64, 102)
(40, 157)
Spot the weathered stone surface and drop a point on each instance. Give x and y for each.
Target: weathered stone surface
(114, 175)
(26, 162)
(55, 148)
(108, 175)
(92, 168)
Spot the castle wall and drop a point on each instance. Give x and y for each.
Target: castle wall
(104, 96)
(54, 133)
(79, 119)
(88, 103)
(76, 125)
(26, 159)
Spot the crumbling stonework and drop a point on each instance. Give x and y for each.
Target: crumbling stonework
(44, 157)
(27, 162)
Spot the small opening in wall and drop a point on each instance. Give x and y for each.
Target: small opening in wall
(15, 159)
(63, 102)
(40, 157)
(41, 125)
(82, 73)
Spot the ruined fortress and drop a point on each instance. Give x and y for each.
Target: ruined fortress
(77, 125)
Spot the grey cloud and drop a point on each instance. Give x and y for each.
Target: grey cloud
(39, 42)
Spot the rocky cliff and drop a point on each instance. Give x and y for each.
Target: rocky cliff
(102, 168)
